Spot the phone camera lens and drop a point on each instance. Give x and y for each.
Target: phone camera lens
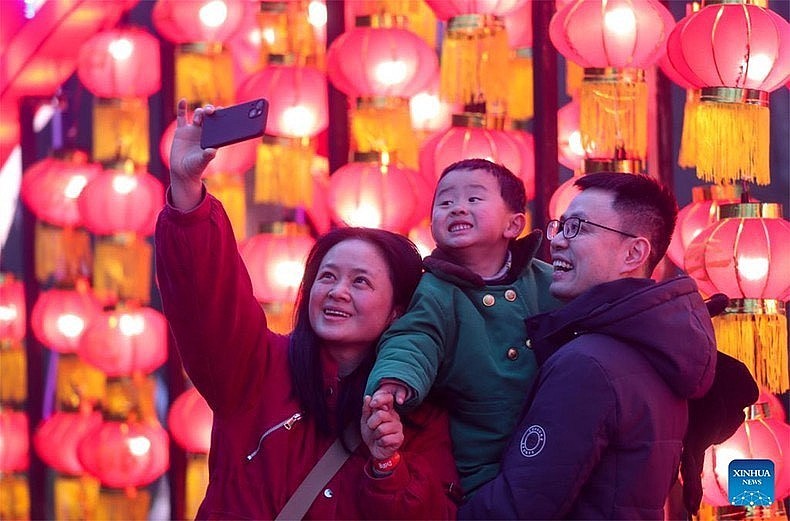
(252, 113)
(259, 105)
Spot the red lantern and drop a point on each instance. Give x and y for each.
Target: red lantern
(297, 99)
(50, 188)
(275, 262)
(468, 138)
(60, 317)
(429, 113)
(745, 254)
(207, 21)
(122, 342)
(120, 63)
(446, 9)
(14, 446)
(190, 419)
(12, 309)
(518, 24)
(56, 439)
(760, 437)
(737, 54)
(562, 197)
(125, 454)
(121, 202)
(614, 33)
(380, 61)
(232, 159)
(701, 213)
(422, 237)
(378, 195)
(570, 151)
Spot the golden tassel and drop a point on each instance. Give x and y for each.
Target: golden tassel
(204, 74)
(757, 336)
(574, 74)
(78, 383)
(122, 269)
(120, 130)
(121, 505)
(13, 367)
(688, 139)
(229, 189)
(279, 316)
(384, 125)
(734, 136)
(196, 483)
(14, 497)
(61, 254)
(474, 62)
(283, 171)
(420, 18)
(520, 102)
(75, 497)
(613, 115)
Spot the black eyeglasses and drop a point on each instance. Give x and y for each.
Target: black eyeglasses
(570, 228)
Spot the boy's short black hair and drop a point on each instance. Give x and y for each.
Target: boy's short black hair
(644, 205)
(511, 187)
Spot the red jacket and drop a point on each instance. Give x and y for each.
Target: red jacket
(261, 449)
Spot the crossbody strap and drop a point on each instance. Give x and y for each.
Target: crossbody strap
(319, 475)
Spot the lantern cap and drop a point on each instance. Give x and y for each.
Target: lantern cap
(625, 166)
(271, 139)
(715, 192)
(734, 95)
(274, 7)
(757, 411)
(750, 210)
(614, 75)
(523, 52)
(374, 156)
(520, 125)
(208, 48)
(381, 102)
(755, 306)
(473, 23)
(759, 3)
(478, 120)
(381, 21)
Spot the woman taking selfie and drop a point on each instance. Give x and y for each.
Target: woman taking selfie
(288, 405)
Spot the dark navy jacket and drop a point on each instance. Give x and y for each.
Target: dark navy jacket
(603, 430)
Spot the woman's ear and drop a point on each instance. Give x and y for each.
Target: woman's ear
(515, 225)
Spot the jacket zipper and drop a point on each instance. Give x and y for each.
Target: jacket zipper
(286, 424)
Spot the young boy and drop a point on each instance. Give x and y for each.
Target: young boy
(463, 337)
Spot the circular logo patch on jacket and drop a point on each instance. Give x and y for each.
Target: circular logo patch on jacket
(533, 441)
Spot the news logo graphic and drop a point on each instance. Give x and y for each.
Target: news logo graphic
(750, 482)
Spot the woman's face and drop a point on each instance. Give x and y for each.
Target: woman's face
(351, 298)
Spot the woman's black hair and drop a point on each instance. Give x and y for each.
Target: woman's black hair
(404, 267)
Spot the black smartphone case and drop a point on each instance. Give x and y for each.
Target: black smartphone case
(235, 123)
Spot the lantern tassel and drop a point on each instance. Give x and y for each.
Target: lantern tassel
(760, 342)
(283, 171)
(520, 103)
(384, 125)
(735, 146)
(122, 269)
(229, 189)
(61, 254)
(687, 157)
(613, 115)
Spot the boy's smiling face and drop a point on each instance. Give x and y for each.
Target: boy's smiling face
(469, 212)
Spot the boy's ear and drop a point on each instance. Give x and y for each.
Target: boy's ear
(515, 225)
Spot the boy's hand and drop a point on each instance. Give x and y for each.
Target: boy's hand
(389, 391)
(381, 430)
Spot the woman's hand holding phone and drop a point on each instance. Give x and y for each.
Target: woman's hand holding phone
(187, 158)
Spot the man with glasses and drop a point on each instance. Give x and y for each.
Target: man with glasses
(603, 429)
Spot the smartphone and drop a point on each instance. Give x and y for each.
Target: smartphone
(235, 123)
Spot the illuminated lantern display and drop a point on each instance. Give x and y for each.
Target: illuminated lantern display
(224, 175)
(190, 420)
(380, 65)
(14, 462)
(121, 206)
(736, 53)
(420, 18)
(318, 213)
(475, 51)
(762, 436)
(292, 28)
(50, 189)
(373, 192)
(204, 66)
(520, 97)
(13, 362)
(122, 342)
(614, 41)
(297, 114)
(702, 212)
(421, 236)
(275, 262)
(60, 317)
(570, 151)
(120, 67)
(429, 113)
(476, 135)
(743, 255)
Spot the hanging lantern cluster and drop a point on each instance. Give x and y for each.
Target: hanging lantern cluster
(743, 256)
(615, 41)
(736, 53)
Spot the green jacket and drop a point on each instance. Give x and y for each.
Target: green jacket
(466, 342)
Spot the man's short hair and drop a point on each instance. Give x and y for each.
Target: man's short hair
(511, 187)
(645, 207)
